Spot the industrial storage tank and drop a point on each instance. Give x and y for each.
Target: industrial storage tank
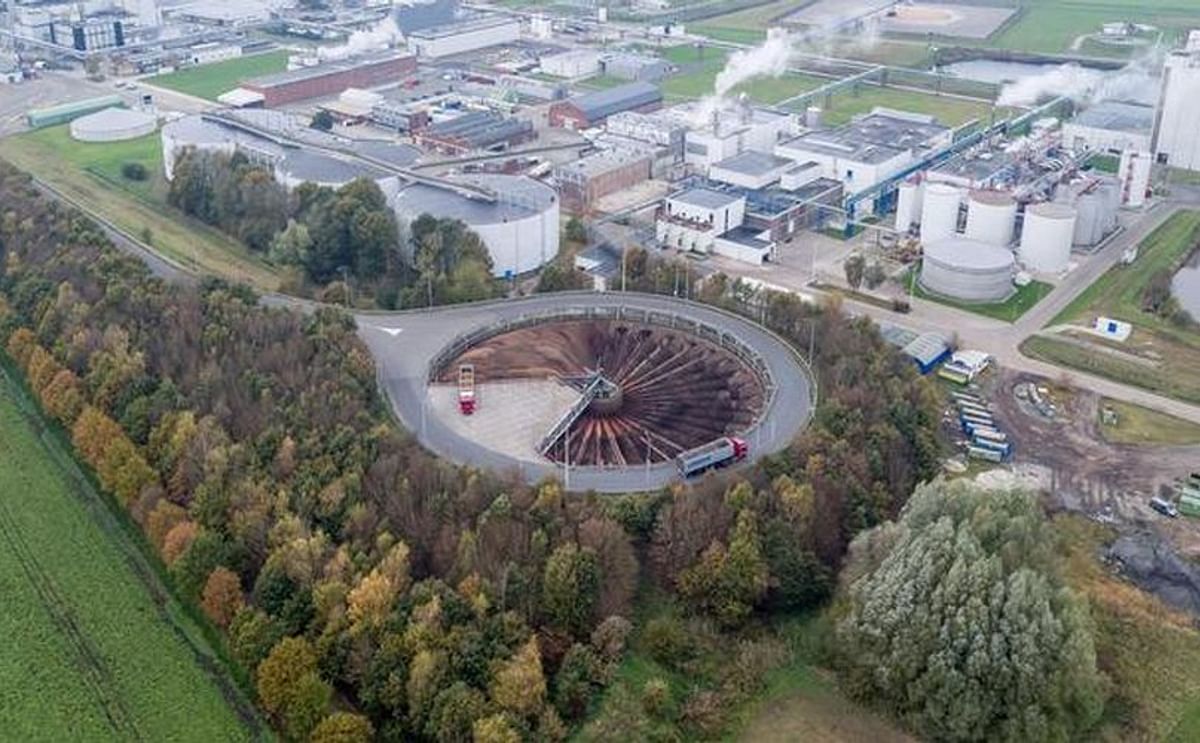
(1134, 176)
(967, 270)
(1046, 236)
(113, 125)
(908, 205)
(520, 228)
(939, 212)
(991, 217)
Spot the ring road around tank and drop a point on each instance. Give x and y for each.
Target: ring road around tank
(411, 348)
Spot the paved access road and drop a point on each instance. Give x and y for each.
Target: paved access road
(404, 344)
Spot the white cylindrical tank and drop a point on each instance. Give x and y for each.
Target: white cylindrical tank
(113, 125)
(1134, 177)
(1089, 222)
(1046, 237)
(991, 217)
(967, 270)
(908, 205)
(939, 212)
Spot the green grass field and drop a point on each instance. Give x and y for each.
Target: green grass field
(1009, 310)
(211, 80)
(1053, 26)
(94, 648)
(90, 173)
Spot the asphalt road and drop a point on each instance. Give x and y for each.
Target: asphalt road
(404, 344)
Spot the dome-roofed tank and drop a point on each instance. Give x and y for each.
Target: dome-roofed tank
(939, 213)
(967, 270)
(991, 217)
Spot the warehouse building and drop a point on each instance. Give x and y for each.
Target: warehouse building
(653, 129)
(626, 66)
(477, 130)
(582, 183)
(592, 109)
(332, 78)
(464, 36)
(1111, 127)
(729, 131)
(61, 114)
(574, 63)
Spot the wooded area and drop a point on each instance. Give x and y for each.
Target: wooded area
(345, 562)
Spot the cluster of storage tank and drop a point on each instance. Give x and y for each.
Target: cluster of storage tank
(1082, 216)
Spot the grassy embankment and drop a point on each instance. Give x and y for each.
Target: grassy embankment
(90, 174)
(1164, 357)
(211, 80)
(94, 648)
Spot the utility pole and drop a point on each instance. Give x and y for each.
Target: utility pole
(567, 460)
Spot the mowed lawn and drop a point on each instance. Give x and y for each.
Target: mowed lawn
(211, 80)
(90, 174)
(89, 651)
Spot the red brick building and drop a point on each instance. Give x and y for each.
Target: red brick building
(332, 78)
(585, 111)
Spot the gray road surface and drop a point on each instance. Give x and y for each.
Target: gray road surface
(404, 344)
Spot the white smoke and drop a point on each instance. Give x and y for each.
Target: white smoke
(382, 35)
(769, 59)
(1133, 82)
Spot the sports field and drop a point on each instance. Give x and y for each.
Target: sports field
(94, 647)
(211, 80)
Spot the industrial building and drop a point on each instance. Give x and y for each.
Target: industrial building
(473, 131)
(729, 130)
(1175, 141)
(520, 227)
(751, 169)
(581, 183)
(869, 149)
(1110, 127)
(464, 36)
(592, 109)
(967, 270)
(113, 125)
(571, 64)
(332, 78)
(628, 66)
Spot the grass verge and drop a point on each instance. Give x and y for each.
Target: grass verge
(95, 646)
(90, 174)
(211, 80)
(1138, 425)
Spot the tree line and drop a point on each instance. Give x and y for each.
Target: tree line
(343, 562)
(339, 241)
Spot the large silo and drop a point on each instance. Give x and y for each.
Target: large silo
(967, 270)
(1046, 236)
(939, 212)
(908, 205)
(991, 217)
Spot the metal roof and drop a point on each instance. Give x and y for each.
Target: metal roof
(454, 28)
(604, 103)
(753, 163)
(705, 198)
(874, 138)
(519, 197)
(969, 255)
(1117, 116)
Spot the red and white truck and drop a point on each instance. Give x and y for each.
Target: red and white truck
(466, 389)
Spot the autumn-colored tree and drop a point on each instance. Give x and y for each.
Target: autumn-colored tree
(728, 583)
(343, 727)
(222, 598)
(518, 685)
(497, 728)
(164, 517)
(370, 602)
(20, 345)
(41, 368)
(425, 678)
(62, 397)
(290, 688)
(177, 540)
(454, 713)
